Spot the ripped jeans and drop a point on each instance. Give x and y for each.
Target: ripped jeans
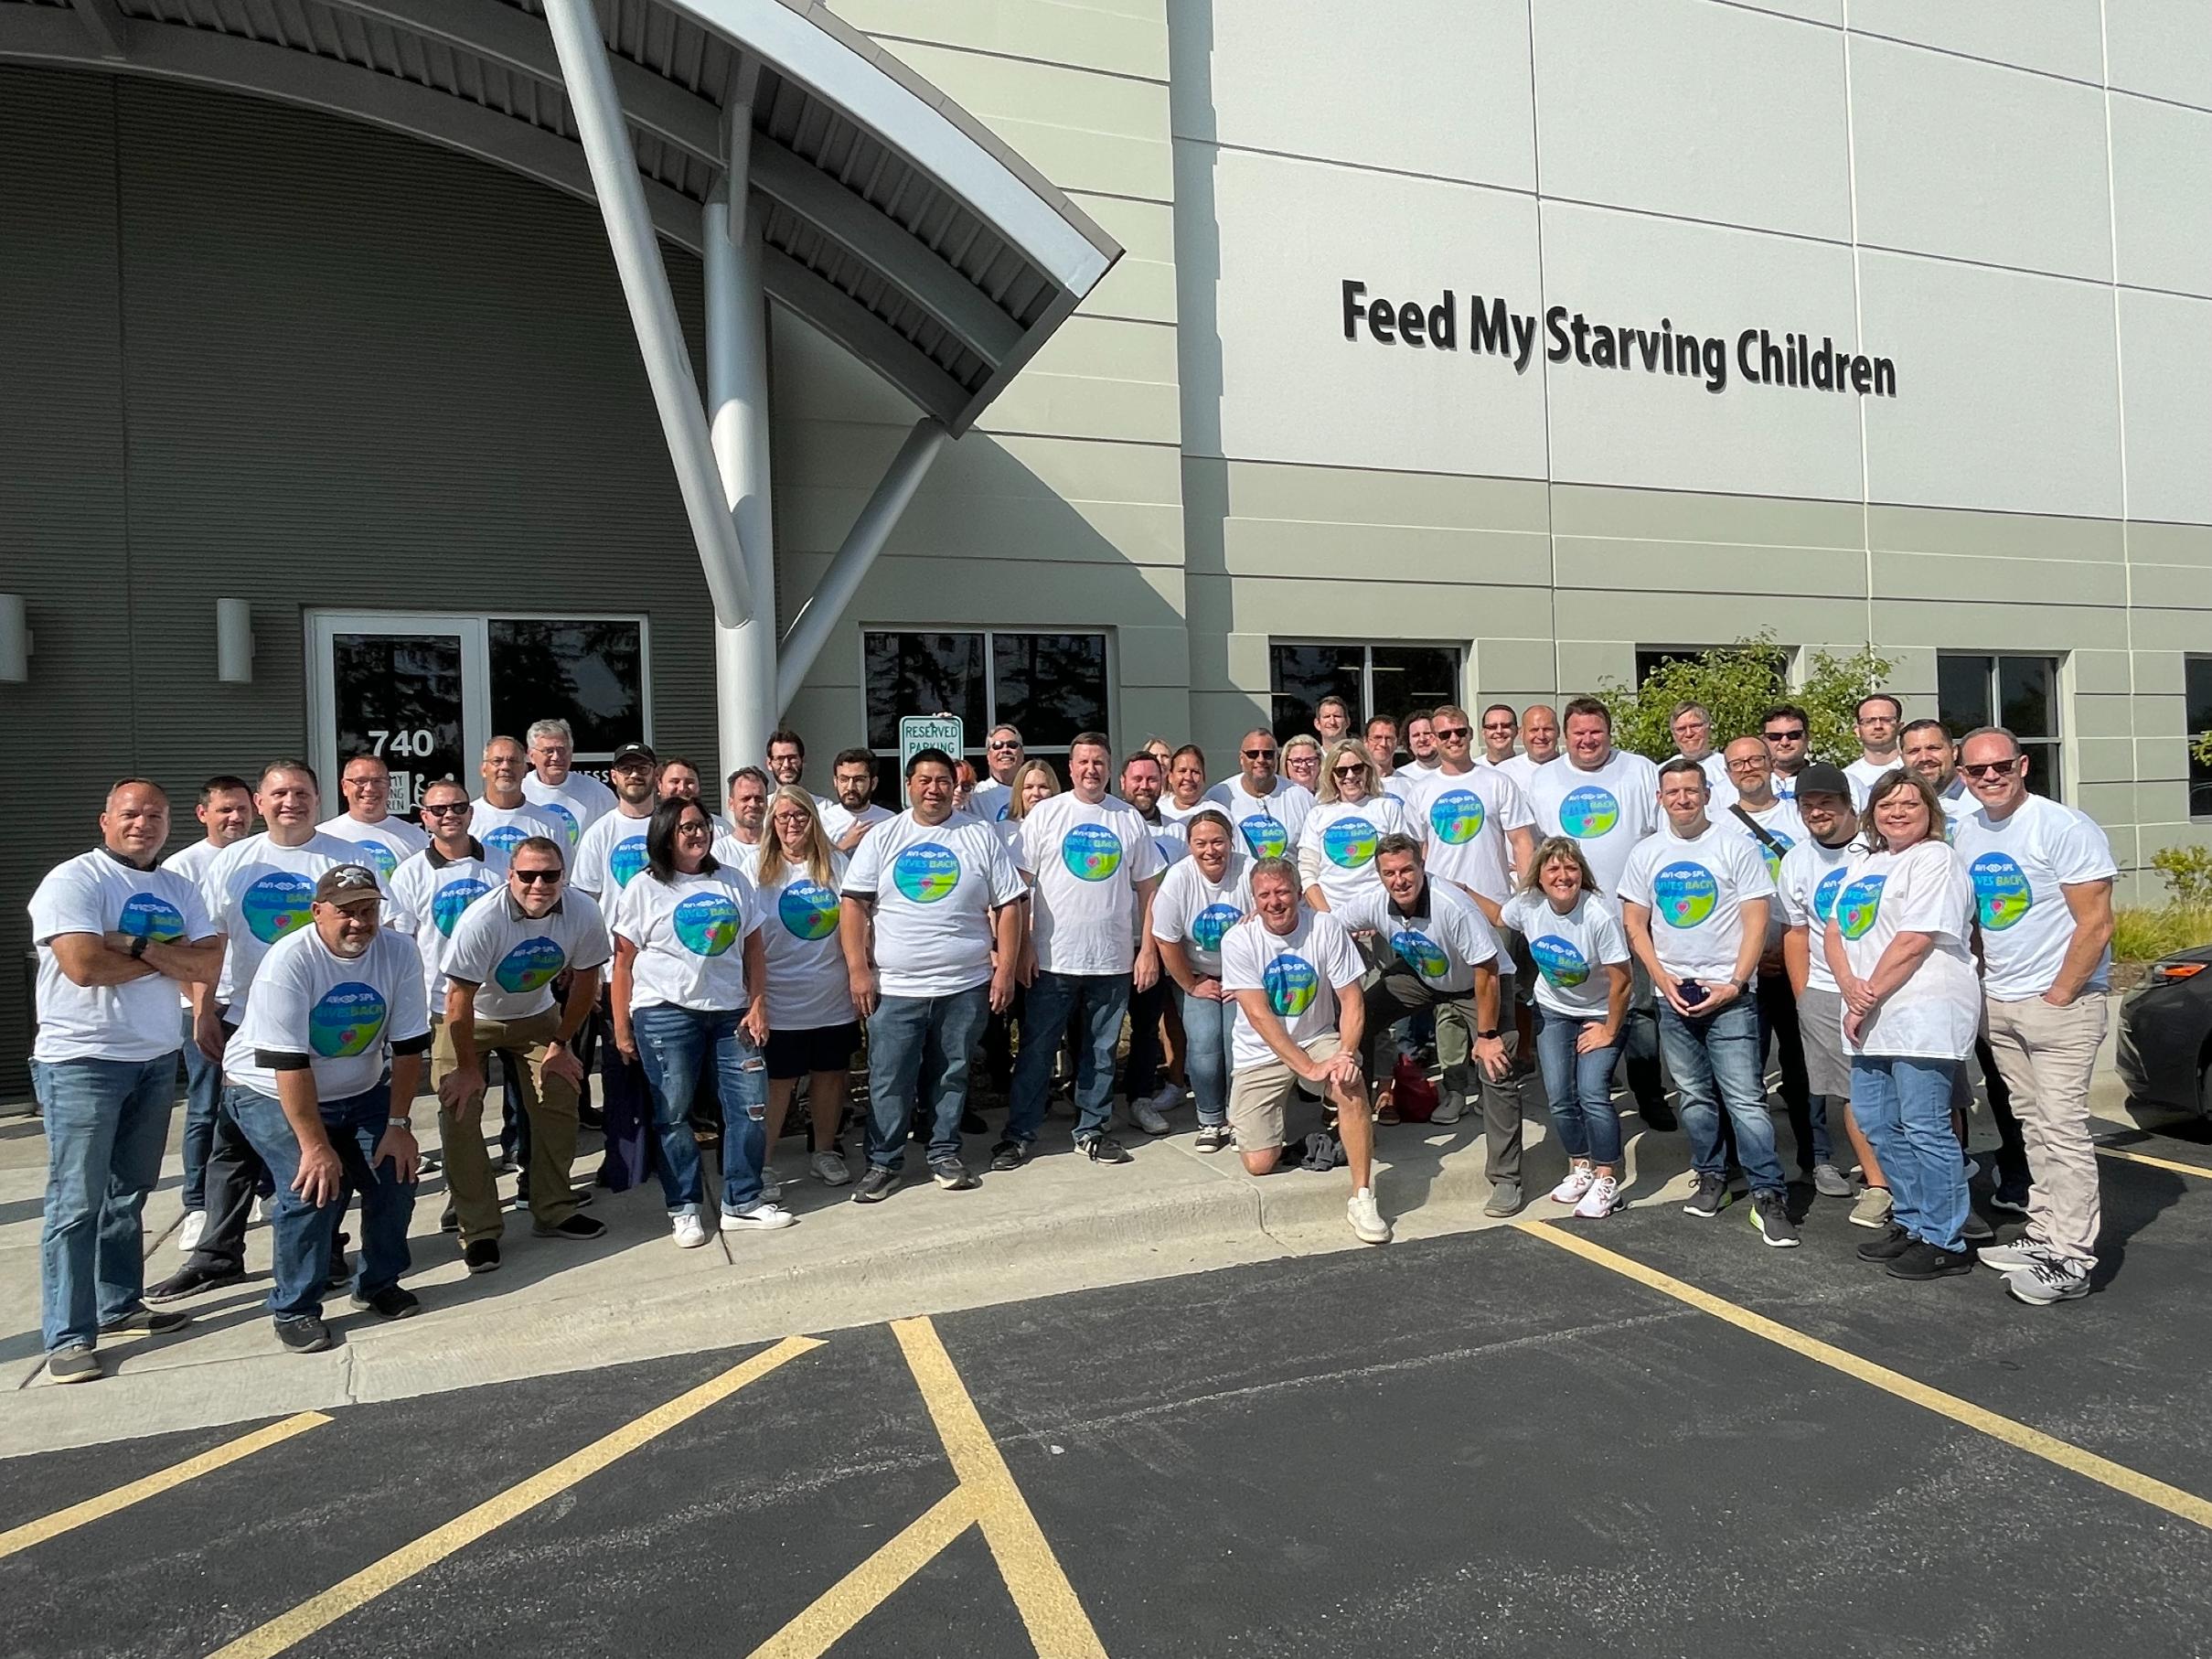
(673, 1043)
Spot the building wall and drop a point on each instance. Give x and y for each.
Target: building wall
(1994, 201)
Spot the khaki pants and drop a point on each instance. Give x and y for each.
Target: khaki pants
(548, 1102)
(2046, 1055)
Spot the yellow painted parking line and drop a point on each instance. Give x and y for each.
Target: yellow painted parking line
(163, 1480)
(868, 1586)
(2033, 1441)
(287, 1628)
(2157, 1163)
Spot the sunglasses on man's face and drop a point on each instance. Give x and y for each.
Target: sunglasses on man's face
(447, 810)
(537, 878)
(1798, 736)
(1991, 768)
(1448, 734)
(1259, 754)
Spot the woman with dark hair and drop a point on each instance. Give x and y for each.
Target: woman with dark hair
(1899, 942)
(690, 982)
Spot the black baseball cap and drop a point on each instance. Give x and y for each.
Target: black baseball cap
(1821, 778)
(629, 751)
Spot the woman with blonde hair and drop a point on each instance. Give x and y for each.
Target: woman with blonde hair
(1033, 780)
(812, 1028)
(1302, 762)
(1336, 845)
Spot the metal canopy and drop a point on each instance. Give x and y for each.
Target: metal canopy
(893, 221)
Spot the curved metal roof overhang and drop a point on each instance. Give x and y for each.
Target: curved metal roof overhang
(893, 221)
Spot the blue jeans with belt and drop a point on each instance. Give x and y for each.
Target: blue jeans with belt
(306, 1234)
(674, 1044)
(106, 1122)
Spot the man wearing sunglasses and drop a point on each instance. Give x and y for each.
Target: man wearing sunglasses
(430, 890)
(1268, 810)
(1786, 727)
(2042, 876)
(1002, 753)
(1500, 726)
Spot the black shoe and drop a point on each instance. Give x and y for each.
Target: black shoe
(302, 1333)
(449, 1221)
(1771, 1216)
(875, 1186)
(1010, 1154)
(971, 1122)
(391, 1302)
(1893, 1243)
(1921, 1260)
(578, 1226)
(482, 1255)
(73, 1362)
(1710, 1199)
(1656, 1114)
(150, 1321)
(953, 1175)
(341, 1271)
(1102, 1148)
(2012, 1200)
(590, 1118)
(190, 1281)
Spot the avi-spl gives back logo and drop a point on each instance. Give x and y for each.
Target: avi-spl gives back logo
(1291, 985)
(807, 910)
(1350, 842)
(1588, 812)
(1558, 961)
(529, 965)
(1857, 906)
(1684, 893)
(706, 923)
(1456, 816)
(925, 872)
(1092, 852)
(346, 1019)
(2002, 894)
(276, 905)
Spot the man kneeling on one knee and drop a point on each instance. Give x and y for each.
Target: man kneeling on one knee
(1295, 974)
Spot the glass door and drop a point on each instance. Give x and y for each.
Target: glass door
(407, 688)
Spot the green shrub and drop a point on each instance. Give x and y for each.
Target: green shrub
(2144, 933)
(2186, 872)
(1738, 682)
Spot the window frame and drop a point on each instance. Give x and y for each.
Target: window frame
(889, 788)
(2199, 776)
(2051, 745)
(1367, 648)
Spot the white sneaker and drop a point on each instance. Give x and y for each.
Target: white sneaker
(2015, 1257)
(830, 1170)
(772, 1184)
(1601, 1200)
(1367, 1223)
(189, 1234)
(1578, 1179)
(1146, 1116)
(257, 1215)
(1450, 1106)
(690, 1233)
(762, 1217)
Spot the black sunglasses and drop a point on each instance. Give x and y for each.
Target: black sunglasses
(537, 878)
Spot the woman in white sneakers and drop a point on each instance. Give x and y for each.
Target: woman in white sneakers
(1581, 951)
(1199, 899)
(690, 982)
(813, 1029)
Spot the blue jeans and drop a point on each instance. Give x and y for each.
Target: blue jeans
(1580, 1088)
(203, 1082)
(674, 1044)
(306, 1233)
(919, 1050)
(1056, 1000)
(106, 1122)
(1208, 1028)
(1714, 1059)
(1903, 1107)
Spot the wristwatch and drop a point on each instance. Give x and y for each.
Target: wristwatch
(401, 1123)
(1487, 1036)
(138, 947)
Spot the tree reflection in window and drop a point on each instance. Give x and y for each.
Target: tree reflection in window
(588, 673)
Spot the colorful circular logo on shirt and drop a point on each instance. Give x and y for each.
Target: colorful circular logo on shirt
(530, 965)
(1421, 953)
(1350, 842)
(1264, 835)
(504, 838)
(627, 858)
(276, 905)
(1211, 925)
(925, 872)
(1773, 855)
(148, 915)
(1859, 904)
(706, 923)
(2002, 894)
(807, 910)
(560, 815)
(1559, 962)
(1589, 812)
(1456, 816)
(447, 904)
(346, 1019)
(1290, 984)
(1684, 894)
(1092, 852)
(378, 857)
(1823, 895)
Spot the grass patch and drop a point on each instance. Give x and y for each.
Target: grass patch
(2144, 933)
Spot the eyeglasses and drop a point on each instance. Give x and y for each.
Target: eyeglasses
(693, 827)
(537, 878)
(1797, 737)
(1445, 734)
(1259, 754)
(1349, 771)
(1007, 743)
(456, 809)
(1993, 768)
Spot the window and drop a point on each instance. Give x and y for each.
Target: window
(1373, 679)
(1049, 685)
(2019, 693)
(590, 674)
(2197, 682)
(1651, 658)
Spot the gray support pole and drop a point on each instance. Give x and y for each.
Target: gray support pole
(644, 284)
(737, 416)
(814, 625)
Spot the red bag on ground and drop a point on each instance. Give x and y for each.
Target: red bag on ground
(1414, 1093)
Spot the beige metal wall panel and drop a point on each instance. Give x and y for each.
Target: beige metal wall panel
(1614, 126)
(2160, 48)
(1131, 42)
(1951, 625)
(2030, 583)
(1766, 521)
(1721, 569)
(2161, 164)
(2057, 37)
(2102, 671)
(1993, 534)
(1529, 666)
(1098, 378)
(1142, 287)
(2165, 386)
(2170, 544)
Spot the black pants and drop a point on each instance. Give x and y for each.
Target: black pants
(1140, 1072)
(2013, 1176)
(1778, 1025)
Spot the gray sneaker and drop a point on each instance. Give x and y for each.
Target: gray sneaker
(829, 1169)
(1451, 1105)
(2049, 1281)
(1709, 1199)
(1504, 1199)
(1830, 1182)
(2019, 1256)
(1872, 1209)
(73, 1362)
(1146, 1116)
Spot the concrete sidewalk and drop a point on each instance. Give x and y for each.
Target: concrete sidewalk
(1060, 1224)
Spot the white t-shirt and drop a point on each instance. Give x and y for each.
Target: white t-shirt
(1923, 889)
(1176, 814)
(1605, 811)
(935, 887)
(97, 892)
(989, 799)
(342, 1013)
(1465, 823)
(2020, 868)
(1443, 944)
(512, 960)
(1300, 970)
(1785, 785)
(729, 850)
(610, 857)
(1780, 820)
(193, 864)
(1523, 769)
(576, 803)
(257, 892)
(383, 846)
(1695, 890)
(1268, 824)
(1197, 913)
(836, 823)
(1086, 861)
(1571, 951)
(429, 891)
(808, 988)
(690, 938)
(1402, 785)
(1338, 841)
(503, 829)
(1863, 774)
(1810, 878)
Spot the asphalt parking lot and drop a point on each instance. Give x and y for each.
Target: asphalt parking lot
(1485, 1443)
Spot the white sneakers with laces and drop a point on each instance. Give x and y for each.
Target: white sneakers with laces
(1367, 1223)
(194, 1228)
(1579, 1178)
(1601, 1200)
(690, 1233)
(762, 1217)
